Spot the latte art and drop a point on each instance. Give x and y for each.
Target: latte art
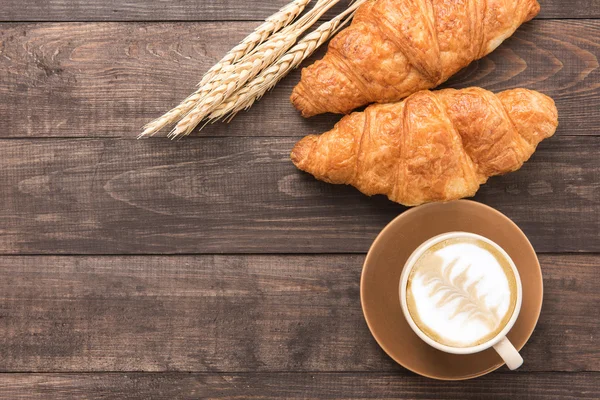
(461, 292)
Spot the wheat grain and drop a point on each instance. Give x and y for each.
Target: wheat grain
(246, 96)
(255, 89)
(267, 52)
(234, 77)
(273, 24)
(284, 17)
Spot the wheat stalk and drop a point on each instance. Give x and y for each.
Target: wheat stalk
(255, 89)
(272, 24)
(268, 50)
(249, 67)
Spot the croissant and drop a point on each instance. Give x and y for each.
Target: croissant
(394, 48)
(433, 146)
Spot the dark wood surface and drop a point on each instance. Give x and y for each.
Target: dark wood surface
(211, 267)
(305, 386)
(94, 79)
(240, 313)
(206, 10)
(243, 195)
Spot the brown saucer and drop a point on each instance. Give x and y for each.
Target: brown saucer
(381, 276)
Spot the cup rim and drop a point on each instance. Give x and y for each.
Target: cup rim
(408, 266)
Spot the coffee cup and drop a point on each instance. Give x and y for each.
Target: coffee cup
(461, 293)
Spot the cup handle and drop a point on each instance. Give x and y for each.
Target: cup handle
(509, 354)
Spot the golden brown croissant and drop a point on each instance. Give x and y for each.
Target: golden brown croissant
(433, 146)
(394, 48)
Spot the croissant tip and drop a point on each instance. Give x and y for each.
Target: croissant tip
(301, 150)
(535, 10)
(295, 156)
(301, 104)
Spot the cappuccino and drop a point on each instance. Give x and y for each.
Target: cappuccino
(461, 292)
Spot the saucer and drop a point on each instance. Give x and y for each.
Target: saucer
(381, 276)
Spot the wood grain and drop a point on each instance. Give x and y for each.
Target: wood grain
(207, 10)
(240, 313)
(307, 386)
(108, 79)
(216, 195)
(246, 326)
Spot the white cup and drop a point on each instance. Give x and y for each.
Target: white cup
(500, 343)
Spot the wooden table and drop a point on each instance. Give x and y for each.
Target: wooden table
(212, 268)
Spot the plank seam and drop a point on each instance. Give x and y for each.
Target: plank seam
(390, 372)
(208, 21)
(7, 255)
(339, 253)
(133, 138)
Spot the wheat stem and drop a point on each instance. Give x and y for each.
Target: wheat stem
(267, 79)
(233, 78)
(274, 23)
(284, 17)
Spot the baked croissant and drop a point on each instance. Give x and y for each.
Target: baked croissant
(394, 48)
(433, 146)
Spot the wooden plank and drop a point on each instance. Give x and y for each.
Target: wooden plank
(108, 79)
(240, 313)
(210, 195)
(304, 386)
(207, 10)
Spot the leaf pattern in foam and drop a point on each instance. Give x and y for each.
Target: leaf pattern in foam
(465, 297)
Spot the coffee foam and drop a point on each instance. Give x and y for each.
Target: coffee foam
(461, 292)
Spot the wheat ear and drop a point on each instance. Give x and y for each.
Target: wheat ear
(237, 75)
(255, 89)
(272, 24)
